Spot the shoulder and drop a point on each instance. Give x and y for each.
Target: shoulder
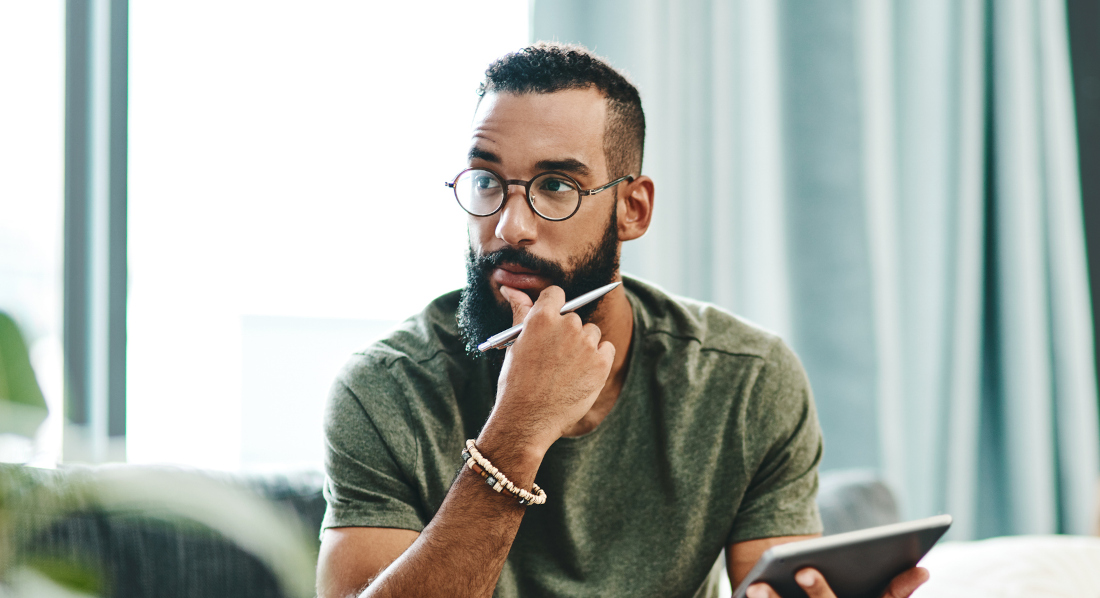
(721, 347)
(418, 373)
(427, 335)
(424, 352)
(705, 326)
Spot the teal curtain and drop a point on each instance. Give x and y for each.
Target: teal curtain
(893, 187)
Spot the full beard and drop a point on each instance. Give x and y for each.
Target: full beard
(481, 315)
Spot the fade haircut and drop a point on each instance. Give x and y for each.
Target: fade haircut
(547, 67)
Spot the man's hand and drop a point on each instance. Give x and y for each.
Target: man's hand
(815, 586)
(553, 373)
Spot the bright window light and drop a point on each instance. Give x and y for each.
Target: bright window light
(286, 187)
(32, 116)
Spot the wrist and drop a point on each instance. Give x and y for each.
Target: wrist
(512, 424)
(515, 454)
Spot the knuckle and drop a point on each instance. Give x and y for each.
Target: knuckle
(540, 311)
(552, 292)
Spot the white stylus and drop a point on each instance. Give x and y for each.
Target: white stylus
(506, 338)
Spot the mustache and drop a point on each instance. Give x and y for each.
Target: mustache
(524, 259)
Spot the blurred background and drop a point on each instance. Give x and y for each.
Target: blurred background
(204, 208)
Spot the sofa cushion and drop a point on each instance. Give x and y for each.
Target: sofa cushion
(851, 499)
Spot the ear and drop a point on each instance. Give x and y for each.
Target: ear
(635, 208)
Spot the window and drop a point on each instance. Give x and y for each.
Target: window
(32, 77)
(286, 204)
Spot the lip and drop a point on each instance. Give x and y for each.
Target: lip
(516, 269)
(510, 275)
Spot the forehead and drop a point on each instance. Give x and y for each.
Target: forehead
(525, 128)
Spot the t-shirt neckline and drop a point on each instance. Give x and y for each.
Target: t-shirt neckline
(632, 376)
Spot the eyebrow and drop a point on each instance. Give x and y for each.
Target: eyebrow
(568, 165)
(476, 153)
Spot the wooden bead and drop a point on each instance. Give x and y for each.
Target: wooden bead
(498, 481)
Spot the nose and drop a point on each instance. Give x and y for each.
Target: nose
(518, 223)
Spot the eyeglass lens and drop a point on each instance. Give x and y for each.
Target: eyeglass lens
(481, 192)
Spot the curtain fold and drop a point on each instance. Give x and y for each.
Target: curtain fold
(892, 186)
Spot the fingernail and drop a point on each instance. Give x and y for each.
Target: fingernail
(805, 578)
(755, 592)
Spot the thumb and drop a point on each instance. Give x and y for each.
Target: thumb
(519, 301)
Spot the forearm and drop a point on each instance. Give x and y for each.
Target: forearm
(550, 379)
(463, 549)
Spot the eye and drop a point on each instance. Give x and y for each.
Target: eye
(554, 184)
(482, 181)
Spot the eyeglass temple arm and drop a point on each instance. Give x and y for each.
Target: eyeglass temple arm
(628, 177)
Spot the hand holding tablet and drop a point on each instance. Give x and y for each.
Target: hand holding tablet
(858, 564)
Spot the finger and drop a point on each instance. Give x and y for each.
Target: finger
(907, 582)
(518, 301)
(552, 297)
(606, 349)
(572, 319)
(813, 583)
(593, 333)
(760, 590)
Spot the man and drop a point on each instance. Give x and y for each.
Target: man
(661, 430)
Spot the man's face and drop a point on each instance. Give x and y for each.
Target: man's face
(520, 136)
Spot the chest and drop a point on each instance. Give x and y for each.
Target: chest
(635, 523)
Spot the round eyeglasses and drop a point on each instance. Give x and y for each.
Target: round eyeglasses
(552, 195)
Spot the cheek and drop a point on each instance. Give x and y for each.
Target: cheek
(480, 230)
(567, 245)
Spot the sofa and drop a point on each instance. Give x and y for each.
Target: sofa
(137, 553)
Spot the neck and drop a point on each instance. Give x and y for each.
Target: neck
(615, 317)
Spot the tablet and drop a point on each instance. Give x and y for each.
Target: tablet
(857, 564)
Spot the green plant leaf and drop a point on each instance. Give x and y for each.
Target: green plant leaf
(69, 574)
(22, 408)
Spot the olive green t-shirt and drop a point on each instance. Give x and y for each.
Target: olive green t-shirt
(714, 440)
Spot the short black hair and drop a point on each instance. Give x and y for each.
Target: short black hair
(546, 67)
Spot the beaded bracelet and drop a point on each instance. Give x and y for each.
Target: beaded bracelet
(498, 481)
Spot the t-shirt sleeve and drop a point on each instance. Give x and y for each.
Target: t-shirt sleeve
(366, 483)
(786, 445)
